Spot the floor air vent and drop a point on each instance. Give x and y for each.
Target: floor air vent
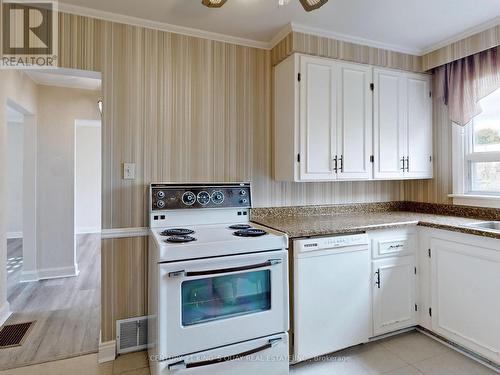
(131, 335)
(14, 334)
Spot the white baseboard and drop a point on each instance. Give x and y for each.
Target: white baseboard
(13, 235)
(4, 313)
(29, 276)
(107, 351)
(87, 230)
(49, 273)
(54, 273)
(462, 350)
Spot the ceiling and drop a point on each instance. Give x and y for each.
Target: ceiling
(414, 26)
(66, 78)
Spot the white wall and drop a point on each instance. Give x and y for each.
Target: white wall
(87, 176)
(15, 156)
(15, 87)
(58, 109)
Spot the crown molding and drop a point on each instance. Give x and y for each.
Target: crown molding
(290, 27)
(352, 39)
(281, 35)
(466, 34)
(141, 22)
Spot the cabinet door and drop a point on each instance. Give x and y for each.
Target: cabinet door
(354, 122)
(465, 294)
(317, 118)
(389, 124)
(419, 104)
(394, 294)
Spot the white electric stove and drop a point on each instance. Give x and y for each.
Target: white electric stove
(218, 284)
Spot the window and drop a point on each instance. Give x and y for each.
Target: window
(476, 156)
(483, 148)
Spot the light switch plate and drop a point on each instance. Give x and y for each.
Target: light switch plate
(129, 171)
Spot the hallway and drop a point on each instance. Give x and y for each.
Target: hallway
(66, 310)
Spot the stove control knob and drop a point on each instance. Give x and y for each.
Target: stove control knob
(218, 197)
(160, 194)
(160, 204)
(243, 201)
(243, 193)
(188, 198)
(203, 198)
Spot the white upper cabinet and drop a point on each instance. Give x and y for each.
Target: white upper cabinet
(389, 124)
(318, 117)
(354, 122)
(419, 119)
(330, 126)
(402, 125)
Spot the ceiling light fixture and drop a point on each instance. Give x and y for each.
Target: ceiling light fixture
(213, 3)
(310, 5)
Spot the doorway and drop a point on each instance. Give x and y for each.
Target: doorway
(14, 205)
(55, 284)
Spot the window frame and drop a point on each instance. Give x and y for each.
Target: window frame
(463, 156)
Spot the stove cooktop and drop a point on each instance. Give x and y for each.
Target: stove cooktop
(193, 242)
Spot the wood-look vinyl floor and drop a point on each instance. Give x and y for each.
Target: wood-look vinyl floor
(66, 310)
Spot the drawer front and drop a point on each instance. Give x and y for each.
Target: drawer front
(397, 243)
(392, 247)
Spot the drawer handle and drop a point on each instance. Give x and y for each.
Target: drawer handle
(396, 246)
(183, 365)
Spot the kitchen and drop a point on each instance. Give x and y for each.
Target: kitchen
(329, 157)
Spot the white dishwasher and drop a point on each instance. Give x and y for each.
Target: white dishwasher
(332, 294)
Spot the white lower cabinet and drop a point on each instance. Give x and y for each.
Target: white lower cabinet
(465, 291)
(446, 282)
(394, 294)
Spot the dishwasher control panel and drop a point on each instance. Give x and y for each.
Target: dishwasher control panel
(324, 243)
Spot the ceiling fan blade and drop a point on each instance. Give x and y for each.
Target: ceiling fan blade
(310, 5)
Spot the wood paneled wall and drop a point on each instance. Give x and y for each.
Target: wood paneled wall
(189, 109)
(469, 46)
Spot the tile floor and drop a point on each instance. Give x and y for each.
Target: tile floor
(406, 354)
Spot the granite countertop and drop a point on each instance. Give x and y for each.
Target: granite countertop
(345, 223)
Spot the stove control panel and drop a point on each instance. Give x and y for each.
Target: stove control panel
(190, 196)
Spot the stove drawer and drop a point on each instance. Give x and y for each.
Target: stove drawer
(264, 356)
(220, 301)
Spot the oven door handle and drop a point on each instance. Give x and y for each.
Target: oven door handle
(269, 263)
(181, 365)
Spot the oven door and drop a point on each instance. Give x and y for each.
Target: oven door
(208, 303)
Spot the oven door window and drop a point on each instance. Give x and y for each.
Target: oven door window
(221, 297)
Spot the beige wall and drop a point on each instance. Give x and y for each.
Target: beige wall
(188, 109)
(88, 176)
(58, 108)
(14, 87)
(469, 46)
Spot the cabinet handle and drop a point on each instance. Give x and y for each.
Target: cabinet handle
(335, 163)
(407, 163)
(377, 283)
(403, 161)
(341, 163)
(395, 246)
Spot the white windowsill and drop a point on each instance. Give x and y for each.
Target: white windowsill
(491, 201)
